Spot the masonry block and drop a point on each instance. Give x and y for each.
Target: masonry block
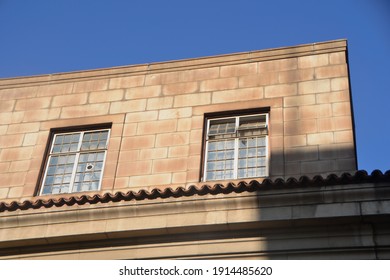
(345, 136)
(338, 84)
(313, 61)
(237, 95)
(297, 75)
(23, 128)
(180, 88)
(150, 180)
(138, 142)
(337, 58)
(178, 113)
(159, 103)
(332, 97)
(143, 116)
(219, 84)
(154, 153)
(280, 90)
(19, 166)
(90, 85)
(7, 141)
(315, 111)
(153, 127)
(331, 71)
(277, 65)
(69, 100)
(127, 106)
(295, 141)
(238, 70)
(187, 100)
(267, 78)
(143, 92)
(126, 82)
(320, 138)
(179, 151)
(106, 96)
(134, 168)
(7, 105)
(316, 86)
(41, 115)
(301, 100)
(304, 126)
(55, 89)
(169, 165)
(184, 124)
(341, 109)
(172, 139)
(85, 111)
(30, 104)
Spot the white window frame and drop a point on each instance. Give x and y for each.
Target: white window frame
(236, 145)
(76, 160)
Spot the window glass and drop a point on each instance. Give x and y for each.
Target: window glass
(76, 162)
(236, 147)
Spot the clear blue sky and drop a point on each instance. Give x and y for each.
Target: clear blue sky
(51, 36)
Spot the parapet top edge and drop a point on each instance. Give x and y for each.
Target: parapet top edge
(175, 65)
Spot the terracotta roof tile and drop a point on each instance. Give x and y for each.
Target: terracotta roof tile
(358, 178)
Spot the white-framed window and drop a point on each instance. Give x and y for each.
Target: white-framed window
(75, 162)
(236, 147)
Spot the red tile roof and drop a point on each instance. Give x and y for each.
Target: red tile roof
(317, 181)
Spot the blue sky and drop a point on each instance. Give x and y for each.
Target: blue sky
(47, 36)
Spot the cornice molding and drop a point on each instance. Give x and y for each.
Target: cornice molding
(178, 65)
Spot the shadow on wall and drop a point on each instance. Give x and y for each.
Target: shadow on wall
(313, 160)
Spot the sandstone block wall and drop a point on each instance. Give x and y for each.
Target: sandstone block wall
(157, 115)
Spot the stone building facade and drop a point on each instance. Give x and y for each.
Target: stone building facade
(215, 157)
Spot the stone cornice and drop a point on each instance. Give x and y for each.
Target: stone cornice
(271, 207)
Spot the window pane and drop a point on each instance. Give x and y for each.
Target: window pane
(46, 190)
(73, 147)
(58, 140)
(49, 180)
(212, 146)
(222, 128)
(65, 143)
(88, 172)
(251, 122)
(94, 185)
(220, 162)
(55, 190)
(75, 138)
(211, 156)
(64, 188)
(94, 140)
(56, 149)
(251, 156)
(51, 170)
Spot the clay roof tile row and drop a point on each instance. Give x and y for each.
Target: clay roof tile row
(317, 181)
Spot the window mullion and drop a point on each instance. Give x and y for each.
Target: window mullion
(235, 172)
(72, 178)
(80, 141)
(76, 161)
(236, 157)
